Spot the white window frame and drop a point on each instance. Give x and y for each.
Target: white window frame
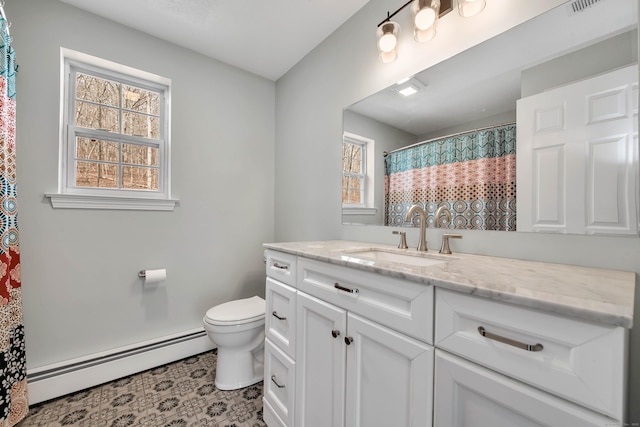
(368, 161)
(70, 196)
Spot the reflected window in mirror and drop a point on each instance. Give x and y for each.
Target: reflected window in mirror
(357, 175)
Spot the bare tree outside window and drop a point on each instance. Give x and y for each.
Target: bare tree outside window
(120, 109)
(352, 173)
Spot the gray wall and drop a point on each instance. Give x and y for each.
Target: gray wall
(497, 119)
(615, 52)
(81, 292)
(344, 69)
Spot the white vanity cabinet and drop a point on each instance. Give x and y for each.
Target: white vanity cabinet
(355, 372)
(524, 367)
(348, 347)
(361, 353)
(356, 364)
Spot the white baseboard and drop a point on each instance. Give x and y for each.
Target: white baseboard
(52, 381)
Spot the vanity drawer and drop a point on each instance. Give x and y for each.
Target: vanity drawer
(279, 382)
(280, 316)
(281, 266)
(579, 361)
(404, 306)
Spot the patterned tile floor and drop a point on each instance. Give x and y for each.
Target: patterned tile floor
(180, 394)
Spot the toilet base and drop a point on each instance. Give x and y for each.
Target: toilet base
(238, 370)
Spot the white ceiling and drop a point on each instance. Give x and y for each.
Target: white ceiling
(265, 37)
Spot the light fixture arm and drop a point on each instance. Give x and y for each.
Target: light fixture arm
(389, 16)
(446, 7)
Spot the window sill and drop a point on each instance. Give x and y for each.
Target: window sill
(359, 211)
(81, 201)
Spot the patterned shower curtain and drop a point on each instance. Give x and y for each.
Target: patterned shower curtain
(13, 386)
(473, 175)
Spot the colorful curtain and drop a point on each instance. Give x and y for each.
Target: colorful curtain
(13, 386)
(473, 175)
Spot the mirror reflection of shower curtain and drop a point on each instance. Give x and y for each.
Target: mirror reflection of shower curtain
(473, 175)
(13, 384)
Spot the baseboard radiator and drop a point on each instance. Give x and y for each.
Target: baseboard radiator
(52, 381)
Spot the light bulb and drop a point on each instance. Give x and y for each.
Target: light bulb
(387, 34)
(425, 18)
(425, 15)
(387, 42)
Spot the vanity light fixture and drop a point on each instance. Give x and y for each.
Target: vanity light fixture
(388, 41)
(425, 15)
(469, 8)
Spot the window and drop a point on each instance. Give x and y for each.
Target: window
(114, 148)
(357, 174)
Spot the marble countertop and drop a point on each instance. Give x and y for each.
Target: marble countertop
(594, 294)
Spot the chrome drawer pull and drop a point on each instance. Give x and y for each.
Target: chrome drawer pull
(273, 379)
(345, 289)
(275, 314)
(509, 341)
(280, 266)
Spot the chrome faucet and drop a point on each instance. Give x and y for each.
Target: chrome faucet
(422, 243)
(439, 212)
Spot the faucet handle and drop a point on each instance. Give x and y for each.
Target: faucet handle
(444, 248)
(403, 239)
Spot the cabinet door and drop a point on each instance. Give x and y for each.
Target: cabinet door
(320, 363)
(469, 396)
(389, 377)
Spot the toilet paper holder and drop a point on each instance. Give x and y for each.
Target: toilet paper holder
(153, 276)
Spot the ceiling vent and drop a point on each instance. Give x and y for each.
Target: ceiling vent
(579, 5)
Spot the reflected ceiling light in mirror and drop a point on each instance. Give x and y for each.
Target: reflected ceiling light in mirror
(425, 14)
(469, 8)
(388, 41)
(408, 91)
(408, 87)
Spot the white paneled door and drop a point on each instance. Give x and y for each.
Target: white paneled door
(577, 157)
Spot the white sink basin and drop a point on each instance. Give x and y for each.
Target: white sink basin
(371, 256)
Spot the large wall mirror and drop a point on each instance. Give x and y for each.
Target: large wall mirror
(481, 87)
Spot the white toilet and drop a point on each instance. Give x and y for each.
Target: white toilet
(237, 329)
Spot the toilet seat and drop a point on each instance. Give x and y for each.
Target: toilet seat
(236, 312)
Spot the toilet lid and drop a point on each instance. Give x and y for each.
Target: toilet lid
(238, 311)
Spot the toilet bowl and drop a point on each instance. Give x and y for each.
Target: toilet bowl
(237, 329)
